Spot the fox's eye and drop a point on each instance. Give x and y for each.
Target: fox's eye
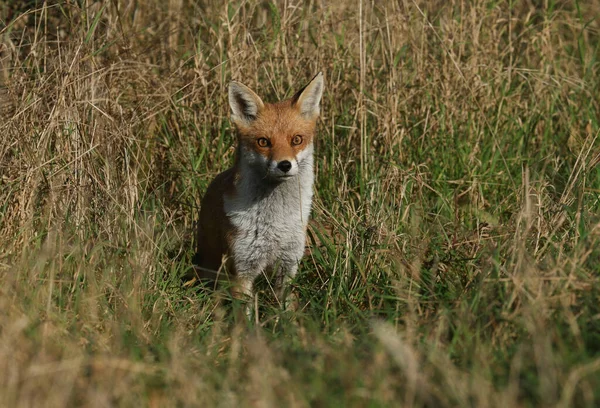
(296, 140)
(263, 142)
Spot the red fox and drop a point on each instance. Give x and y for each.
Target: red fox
(255, 214)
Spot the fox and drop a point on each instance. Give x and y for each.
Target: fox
(254, 216)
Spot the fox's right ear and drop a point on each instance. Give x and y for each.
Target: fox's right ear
(245, 104)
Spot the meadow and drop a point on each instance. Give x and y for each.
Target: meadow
(454, 248)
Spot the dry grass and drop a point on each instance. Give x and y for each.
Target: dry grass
(455, 257)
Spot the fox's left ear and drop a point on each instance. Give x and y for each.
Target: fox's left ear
(308, 99)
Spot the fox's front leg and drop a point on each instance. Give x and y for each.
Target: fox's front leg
(285, 273)
(243, 289)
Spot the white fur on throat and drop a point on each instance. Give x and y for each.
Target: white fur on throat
(270, 217)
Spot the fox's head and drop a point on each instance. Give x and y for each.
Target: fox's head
(276, 140)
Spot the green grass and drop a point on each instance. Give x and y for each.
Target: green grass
(455, 241)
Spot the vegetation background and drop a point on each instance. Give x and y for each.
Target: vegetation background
(454, 255)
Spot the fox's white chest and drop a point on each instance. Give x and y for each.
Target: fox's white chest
(269, 224)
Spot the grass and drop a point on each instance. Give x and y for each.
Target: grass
(455, 243)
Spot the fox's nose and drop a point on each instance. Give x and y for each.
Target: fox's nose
(284, 166)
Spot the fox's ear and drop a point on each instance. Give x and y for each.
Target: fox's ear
(308, 99)
(245, 104)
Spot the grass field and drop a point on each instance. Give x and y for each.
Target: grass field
(455, 242)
